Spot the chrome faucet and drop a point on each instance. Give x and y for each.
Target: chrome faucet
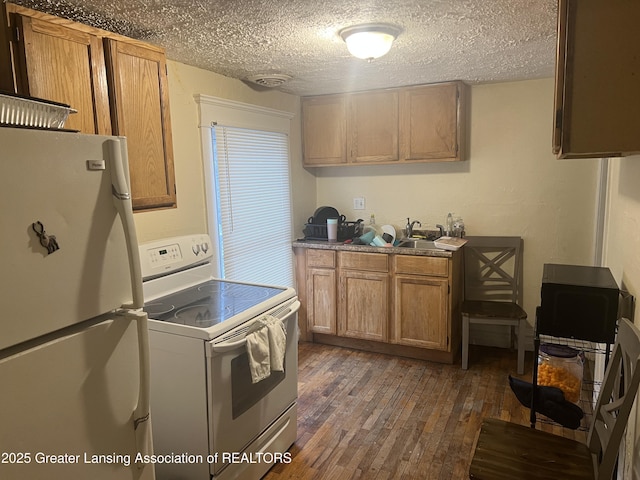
(410, 225)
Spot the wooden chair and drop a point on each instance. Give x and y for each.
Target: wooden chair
(493, 289)
(506, 450)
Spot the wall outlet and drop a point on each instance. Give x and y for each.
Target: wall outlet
(358, 203)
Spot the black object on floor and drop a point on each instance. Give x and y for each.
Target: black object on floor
(550, 402)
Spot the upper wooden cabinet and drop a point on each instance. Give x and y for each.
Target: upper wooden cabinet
(140, 112)
(64, 64)
(432, 126)
(118, 86)
(597, 79)
(372, 127)
(324, 130)
(400, 125)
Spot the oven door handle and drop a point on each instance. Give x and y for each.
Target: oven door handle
(229, 346)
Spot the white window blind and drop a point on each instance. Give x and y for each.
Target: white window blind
(251, 175)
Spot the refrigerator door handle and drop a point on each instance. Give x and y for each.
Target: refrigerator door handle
(141, 415)
(122, 202)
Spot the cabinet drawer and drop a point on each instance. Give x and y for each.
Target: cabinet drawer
(321, 258)
(373, 262)
(417, 265)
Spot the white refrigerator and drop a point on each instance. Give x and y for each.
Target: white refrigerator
(73, 344)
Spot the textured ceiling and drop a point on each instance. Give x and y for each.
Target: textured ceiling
(476, 41)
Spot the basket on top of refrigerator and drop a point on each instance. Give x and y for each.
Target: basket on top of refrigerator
(21, 111)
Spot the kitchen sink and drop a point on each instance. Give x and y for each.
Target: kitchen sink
(416, 243)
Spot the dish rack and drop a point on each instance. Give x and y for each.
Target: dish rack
(20, 111)
(346, 230)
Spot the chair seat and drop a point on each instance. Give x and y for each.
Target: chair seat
(488, 309)
(508, 451)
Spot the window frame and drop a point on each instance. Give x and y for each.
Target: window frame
(218, 111)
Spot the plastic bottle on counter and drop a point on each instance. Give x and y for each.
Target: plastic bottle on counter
(458, 228)
(449, 225)
(372, 227)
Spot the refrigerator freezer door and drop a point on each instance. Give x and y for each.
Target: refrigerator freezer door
(64, 182)
(66, 401)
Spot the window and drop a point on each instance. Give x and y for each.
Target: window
(246, 154)
(251, 171)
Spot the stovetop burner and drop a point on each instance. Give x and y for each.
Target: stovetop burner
(209, 303)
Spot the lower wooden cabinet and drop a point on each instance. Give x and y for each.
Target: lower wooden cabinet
(320, 290)
(363, 305)
(421, 306)
(391, 303)
(363, 300)
(321, 300)
(420, 316)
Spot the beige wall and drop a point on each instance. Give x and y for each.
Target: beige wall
(622, 256)
(511, 184)
(190, 215)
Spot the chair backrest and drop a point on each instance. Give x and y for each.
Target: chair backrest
(493, 269)
(615, 399)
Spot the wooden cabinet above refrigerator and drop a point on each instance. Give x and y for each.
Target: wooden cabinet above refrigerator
(118, 86)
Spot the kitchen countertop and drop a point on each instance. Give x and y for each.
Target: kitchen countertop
(323, 245)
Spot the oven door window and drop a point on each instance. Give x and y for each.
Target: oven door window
(244, 393)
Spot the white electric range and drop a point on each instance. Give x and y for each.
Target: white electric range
(203, 403)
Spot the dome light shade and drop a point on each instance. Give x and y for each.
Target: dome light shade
(369, 41)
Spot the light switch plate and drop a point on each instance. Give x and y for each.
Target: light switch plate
(358, 203)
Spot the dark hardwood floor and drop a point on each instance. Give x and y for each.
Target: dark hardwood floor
(371, 416)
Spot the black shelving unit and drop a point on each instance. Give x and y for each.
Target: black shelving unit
(579, 308)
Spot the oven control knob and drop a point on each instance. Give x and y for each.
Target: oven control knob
(205, 247)
(195, 249)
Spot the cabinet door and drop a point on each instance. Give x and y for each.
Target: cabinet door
(364, 305)
(321, 298)
(7, 83)
(431, 122)
(373, 127)
(324, 130)
(420, 316)
(65, 65)
(140, 104)
(597, 79)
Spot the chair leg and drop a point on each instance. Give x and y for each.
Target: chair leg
(465, 342)
(521, 335)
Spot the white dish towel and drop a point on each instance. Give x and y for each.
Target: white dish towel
(266, 345)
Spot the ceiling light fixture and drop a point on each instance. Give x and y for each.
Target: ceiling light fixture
(369, 41)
